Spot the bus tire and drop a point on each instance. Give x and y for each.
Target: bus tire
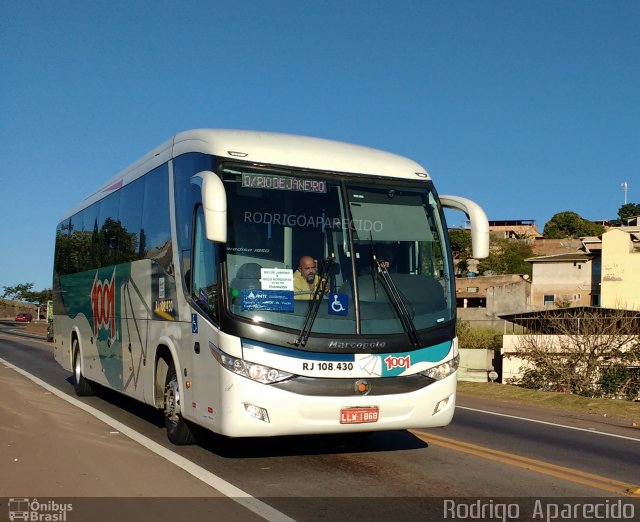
(80, 384)
(178, 429)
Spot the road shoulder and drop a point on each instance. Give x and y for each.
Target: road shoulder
(51, 448)
(586, 421)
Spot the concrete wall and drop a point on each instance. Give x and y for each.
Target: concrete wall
(480, 318)
(513, 364)
(508, 299)
(475, 365)
(511, 361)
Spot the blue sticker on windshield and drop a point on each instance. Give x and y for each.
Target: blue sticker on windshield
(267, 300)
(338, 304)
(203, 297)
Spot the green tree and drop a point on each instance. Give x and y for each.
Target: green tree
(460, 241)
(42, 296)
(507, 256)
(24, 292)
(569, 224)
(17, 292)
(629, 210)
(478, 338)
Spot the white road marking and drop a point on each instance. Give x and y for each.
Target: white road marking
(229, 490)
(588, 430)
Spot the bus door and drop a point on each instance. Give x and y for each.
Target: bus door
(135, 312)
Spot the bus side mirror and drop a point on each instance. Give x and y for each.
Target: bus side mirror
(214, 203)
(479, 223)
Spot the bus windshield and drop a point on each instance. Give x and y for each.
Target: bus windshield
(382, 245)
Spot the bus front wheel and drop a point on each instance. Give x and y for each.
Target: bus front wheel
(80, 384)
(178, 429)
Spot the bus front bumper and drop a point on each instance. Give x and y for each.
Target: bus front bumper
(251, 409)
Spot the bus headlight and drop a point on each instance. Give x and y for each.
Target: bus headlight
(443, 370)
(253, 371)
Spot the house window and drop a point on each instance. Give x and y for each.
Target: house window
(549, 300)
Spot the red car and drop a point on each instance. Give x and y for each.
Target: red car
(24, 318)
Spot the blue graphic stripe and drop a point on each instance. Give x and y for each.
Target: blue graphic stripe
(298, 354)
(428, 354)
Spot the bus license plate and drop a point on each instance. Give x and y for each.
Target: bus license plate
(359, 415)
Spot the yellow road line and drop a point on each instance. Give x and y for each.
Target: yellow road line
(561, 472)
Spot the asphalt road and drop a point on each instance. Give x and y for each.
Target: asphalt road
(398, 475)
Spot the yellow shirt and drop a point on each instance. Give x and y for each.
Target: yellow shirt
(300, 285)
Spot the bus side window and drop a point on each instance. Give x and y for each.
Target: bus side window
(204, 280)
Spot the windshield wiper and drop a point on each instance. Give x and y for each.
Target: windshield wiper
(397, 300)
(314, 304)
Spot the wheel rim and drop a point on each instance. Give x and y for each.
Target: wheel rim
(172, 400)
(76, 364)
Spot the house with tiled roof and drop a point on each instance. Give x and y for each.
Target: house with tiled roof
(605, 272)
(567, 279)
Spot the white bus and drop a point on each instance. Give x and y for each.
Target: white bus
(177, 283)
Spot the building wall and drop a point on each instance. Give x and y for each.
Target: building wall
(514, 364)
(480, 318)
(509, 299)
(620, 285)
(565, 280)
(477, 287)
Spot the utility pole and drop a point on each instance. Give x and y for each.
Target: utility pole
(624, 188)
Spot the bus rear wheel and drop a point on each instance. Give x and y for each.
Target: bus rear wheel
(80, 384)
(178, 429)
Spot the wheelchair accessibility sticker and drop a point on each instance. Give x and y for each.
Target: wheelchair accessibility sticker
(338, 304)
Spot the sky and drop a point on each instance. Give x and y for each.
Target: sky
(529, 108)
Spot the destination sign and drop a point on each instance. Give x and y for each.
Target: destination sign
(273, 182)
(276, 279)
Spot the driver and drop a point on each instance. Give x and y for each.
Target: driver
(306, 279)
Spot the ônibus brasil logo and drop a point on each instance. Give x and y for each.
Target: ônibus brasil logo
(103, 304)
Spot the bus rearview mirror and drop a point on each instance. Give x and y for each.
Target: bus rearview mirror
(214, 204)
(479, 223)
